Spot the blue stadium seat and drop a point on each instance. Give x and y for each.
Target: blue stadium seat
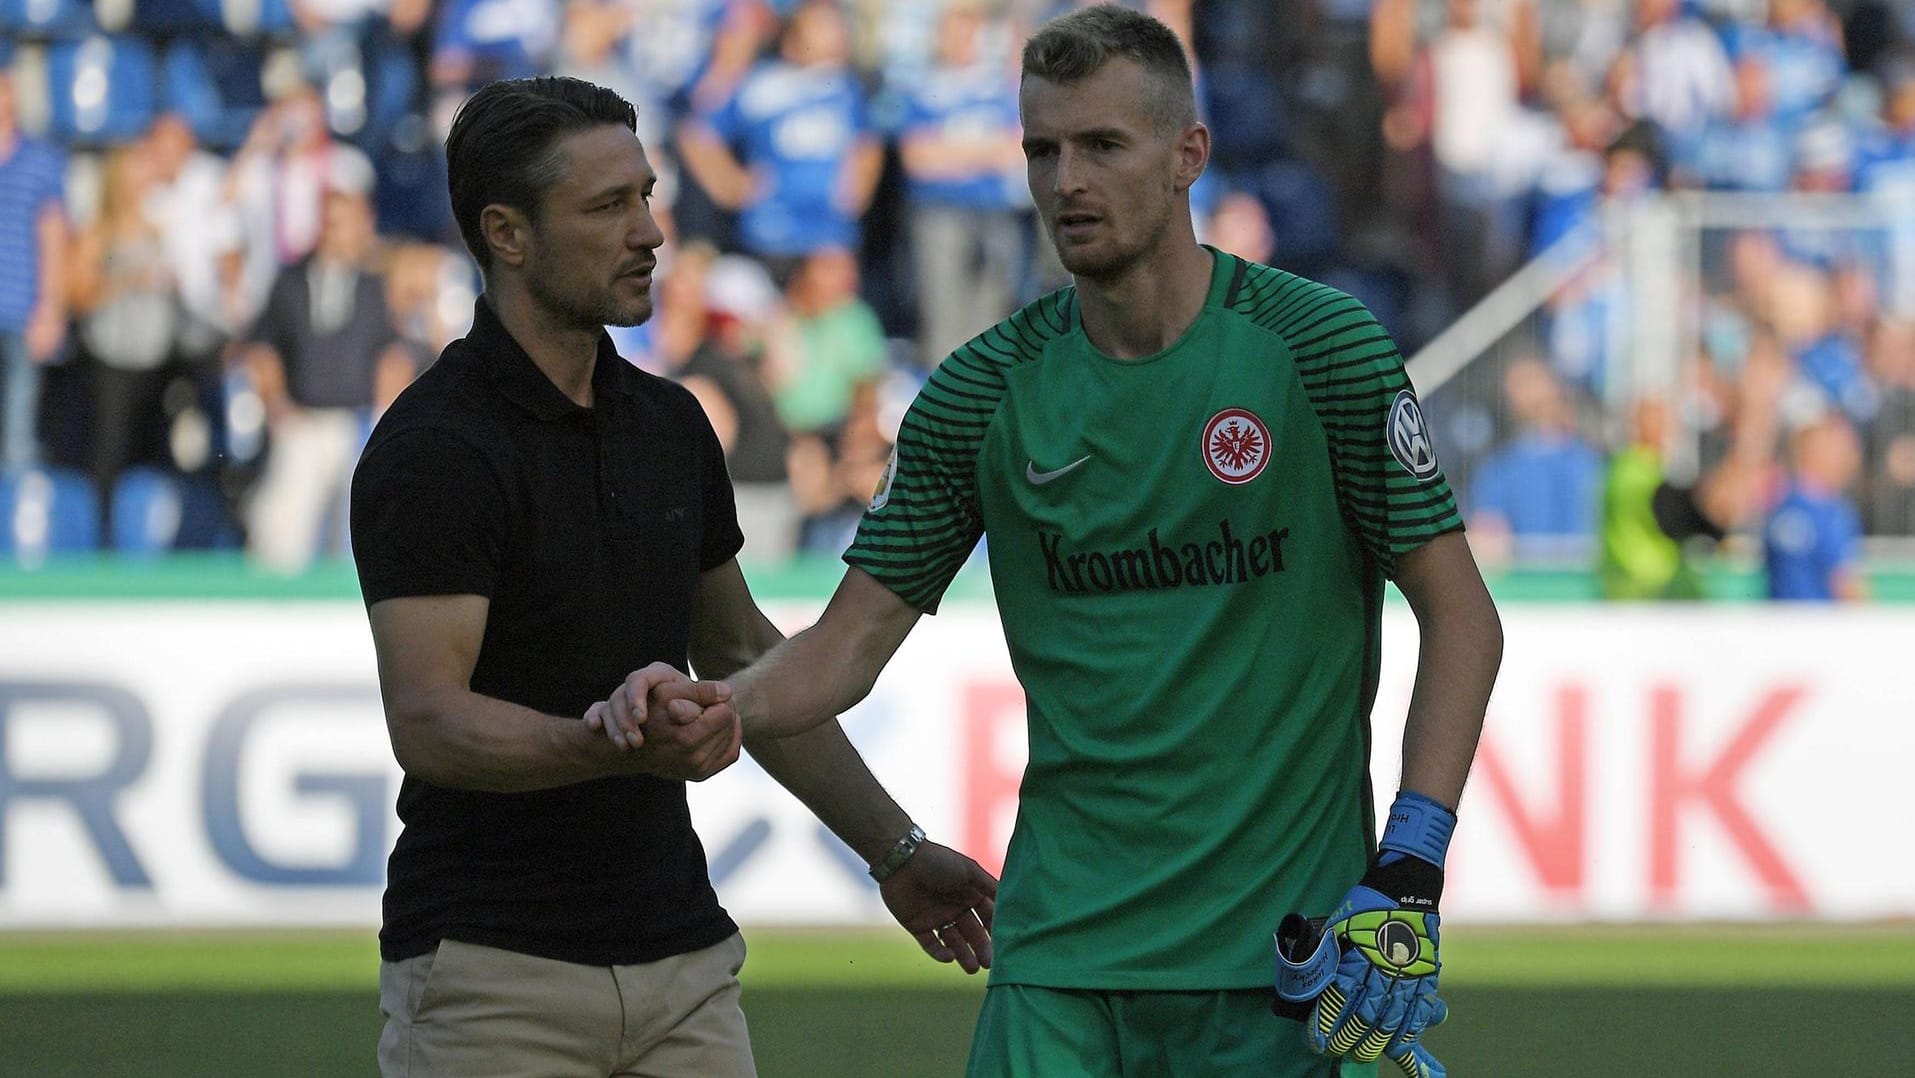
(47, 512)
(148, 507)
(215, 84)
(177, 17)
(101, 89)
(206, 522)
(45, 18)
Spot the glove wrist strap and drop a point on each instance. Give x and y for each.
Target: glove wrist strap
(1419, 827)
(1306, 960)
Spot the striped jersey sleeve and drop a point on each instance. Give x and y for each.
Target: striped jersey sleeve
(924, 519)
(1389, 485)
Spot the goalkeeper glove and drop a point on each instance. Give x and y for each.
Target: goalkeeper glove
(1381, 994)
(1306, 961)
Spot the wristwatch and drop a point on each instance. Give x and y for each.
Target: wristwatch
(900, 852)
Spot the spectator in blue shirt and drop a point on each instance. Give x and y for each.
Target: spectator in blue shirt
(792, 151)
(1537, 492)
(1753, 148)
(1675, 73)
(32, 308)
(1802, 47)
(478, 41)
(964, 168)
(1568, 194)
(1811, 543)
(653, 52)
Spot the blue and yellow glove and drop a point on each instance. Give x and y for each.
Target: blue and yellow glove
(1374, 988)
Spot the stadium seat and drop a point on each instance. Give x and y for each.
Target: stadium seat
(167, 17)
(46, 512)
(101, 89)
(147, 511)
(206, 522)
(58, 19)
(216, 86)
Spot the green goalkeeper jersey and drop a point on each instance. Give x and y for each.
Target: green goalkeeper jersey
(1188, 552)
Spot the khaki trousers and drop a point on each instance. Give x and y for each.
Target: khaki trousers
(467, 1011)
(307, 474)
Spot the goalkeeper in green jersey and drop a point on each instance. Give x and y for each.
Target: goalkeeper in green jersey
(1196, 474)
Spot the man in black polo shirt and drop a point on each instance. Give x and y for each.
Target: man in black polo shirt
(532, 519)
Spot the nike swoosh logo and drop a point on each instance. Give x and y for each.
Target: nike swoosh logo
(1038, 478)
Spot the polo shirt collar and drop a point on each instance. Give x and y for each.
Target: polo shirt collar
(526, 385)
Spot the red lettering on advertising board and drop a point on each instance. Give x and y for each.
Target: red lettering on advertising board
(1552, 836)
(993, 712)
(1676, 786)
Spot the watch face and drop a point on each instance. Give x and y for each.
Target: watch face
(898, 854)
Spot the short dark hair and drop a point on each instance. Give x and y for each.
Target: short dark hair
(503, 146)
(1078, 44)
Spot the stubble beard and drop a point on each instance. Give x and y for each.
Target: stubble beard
(1115, 259)
(593, 312)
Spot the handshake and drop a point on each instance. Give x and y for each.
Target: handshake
(673, 727)
(670, 725)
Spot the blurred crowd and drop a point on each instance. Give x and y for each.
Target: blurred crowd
(1525, 125)
(225, 243)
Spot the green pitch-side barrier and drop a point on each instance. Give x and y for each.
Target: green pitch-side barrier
(228, 576)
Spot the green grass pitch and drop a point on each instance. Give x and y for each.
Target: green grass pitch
(1658, 1002)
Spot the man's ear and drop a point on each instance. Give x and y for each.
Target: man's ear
(506, 230)
(1193, 155)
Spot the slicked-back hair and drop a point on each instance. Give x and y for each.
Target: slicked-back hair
(1077, 45)
(503, 147)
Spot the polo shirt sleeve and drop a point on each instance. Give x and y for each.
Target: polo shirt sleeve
(723, 537)
(428, 518)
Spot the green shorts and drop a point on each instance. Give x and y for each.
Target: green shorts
(1025, 1031)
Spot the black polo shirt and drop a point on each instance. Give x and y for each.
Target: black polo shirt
(587, 528)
